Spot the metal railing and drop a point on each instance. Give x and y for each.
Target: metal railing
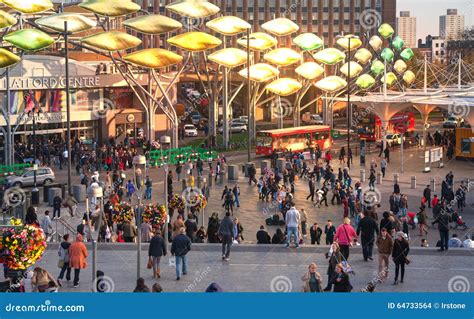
(62, 227)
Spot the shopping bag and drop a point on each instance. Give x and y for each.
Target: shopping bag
(172, 261)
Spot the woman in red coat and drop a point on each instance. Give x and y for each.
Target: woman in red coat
(77, 258)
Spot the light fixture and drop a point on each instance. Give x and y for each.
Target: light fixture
(280, 26)
(375, 42)
(195, 41)
(139, 160)
(112, 41)
(6, 20)
(400, 66)
(153, 58)
(391, 78)
(398, 43)
(407, 54)
(282, 57)
(152, 24)
(353, 40)
(409, 77)
(365, 81)
(193, 9)
(330, 56)
(229, 57)
(310, 70)
(284, 86)
(29, 39)
(355, 69)
(387, 55)
(377, 67)
(228, 25)
(29, 6)
(259, 41)
(363, 55)
(308, 41)
(75, 22)
(331, 84)
(386, 30)
(110, 8)
(7, 58)
(260, 72)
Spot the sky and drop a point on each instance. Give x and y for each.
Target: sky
(427, 13)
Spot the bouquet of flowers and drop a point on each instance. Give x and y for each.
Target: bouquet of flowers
(122, 212)
(155, 215)
(198, 201)
(22, 246)
(177, 202)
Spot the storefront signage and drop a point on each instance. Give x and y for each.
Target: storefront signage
(31, 83)
(45, 118)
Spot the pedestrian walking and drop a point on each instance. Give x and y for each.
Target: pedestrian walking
(366, 228)
(345, 235)
(226, 234)
(400, 251)
(384, 248)
(341, 280)
(64, 259)
(180, 247)
(383, 166)
(330, 232)
(312, 279)
(78, 258)
(443, 219)
(156, 250)
(304, 220)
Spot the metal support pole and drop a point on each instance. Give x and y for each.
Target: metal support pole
(402, 136)
(249, 133)
(165, 235)
(459, 71)
(425, 80)
(68, 109)
(138, 220)
(34, 148)
(10, 141)
(225, 104)
(348, 104)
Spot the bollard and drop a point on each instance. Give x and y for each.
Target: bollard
(199, 181)
(379, 178)
(221, 178)
(183, 184)
(247, 165)
(413, 182)
(362, 175)
(281, 162)
(433, 184)
(396, 178)
(233, 173)
(210, 180)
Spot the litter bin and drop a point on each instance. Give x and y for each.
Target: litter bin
(35, 196)
(46, 191)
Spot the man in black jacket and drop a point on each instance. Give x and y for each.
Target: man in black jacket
(226, 234)
(443, 219)
(191, 227)
(366, 229)
(427, 195)
(57, 202)
(315, 232)
(156, 249)
(180, 247)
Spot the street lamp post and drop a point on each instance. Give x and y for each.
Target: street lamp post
(68, 108)
(349, 110)
(249, 99)
(98, 193)
(138, 160)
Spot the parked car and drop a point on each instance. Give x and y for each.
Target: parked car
(235, 128)
(244, 119)
(312, 119)
(44, 176)
(450, 122)
(392, 139)
(190, 130)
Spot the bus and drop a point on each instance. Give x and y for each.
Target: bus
(294, 138)
(370, 126)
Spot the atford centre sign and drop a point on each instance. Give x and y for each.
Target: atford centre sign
(48, 83)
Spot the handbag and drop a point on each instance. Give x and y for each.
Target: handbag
(172, 261)
(61, 263)
(149, 265)
(407, 261)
